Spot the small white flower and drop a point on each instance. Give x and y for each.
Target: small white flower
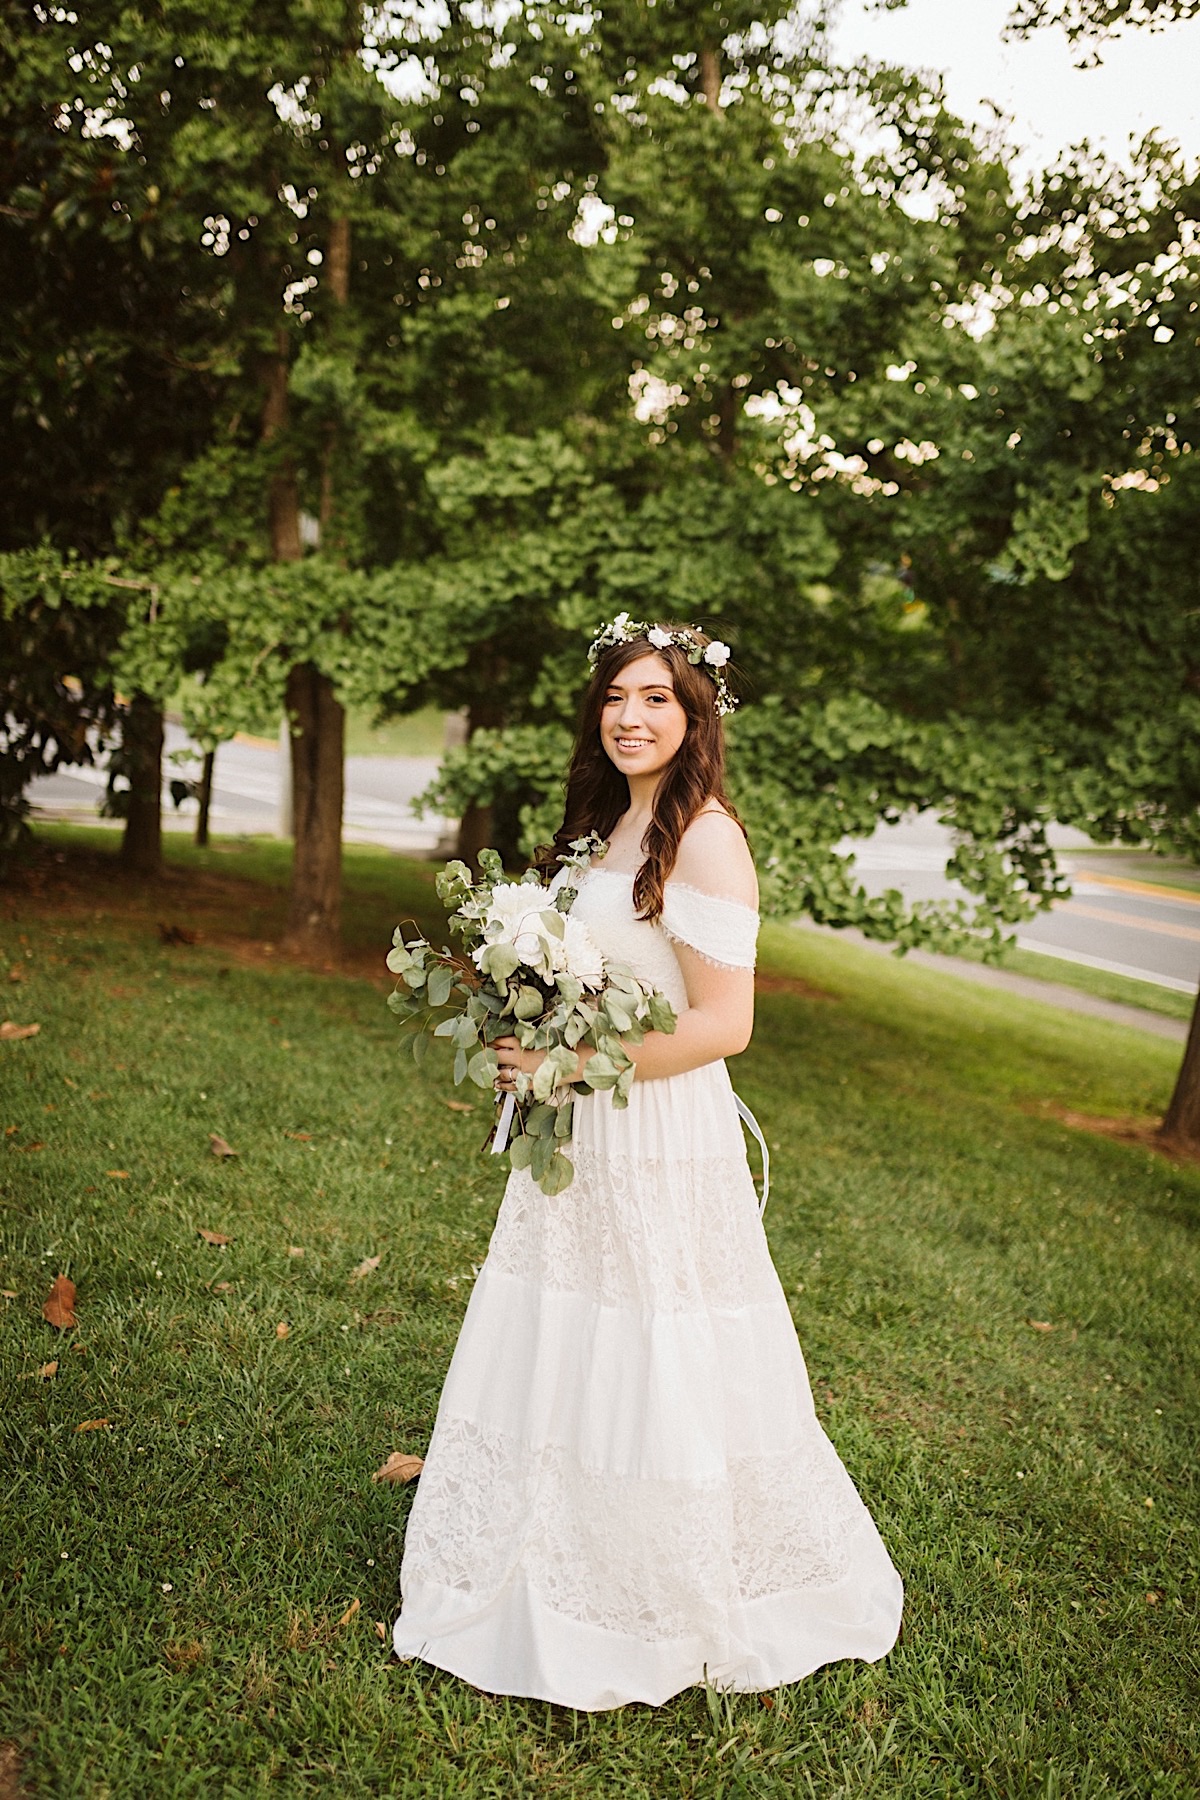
(716, 654)
(620, 625)
(659, 638)
(166, 1587)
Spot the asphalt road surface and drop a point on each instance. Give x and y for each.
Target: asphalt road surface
(1137, 928)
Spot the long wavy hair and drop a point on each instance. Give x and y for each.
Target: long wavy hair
(598, 794)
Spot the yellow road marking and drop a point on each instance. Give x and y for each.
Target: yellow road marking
(1139, 887)
(1161, 926)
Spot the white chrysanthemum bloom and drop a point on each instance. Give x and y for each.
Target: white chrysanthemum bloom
(716, 654)
(514, 917)
(581, 956)
(659, 638)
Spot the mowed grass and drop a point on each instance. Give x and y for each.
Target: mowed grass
(175, 1581)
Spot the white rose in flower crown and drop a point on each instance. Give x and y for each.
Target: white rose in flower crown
(716, 654)
(659, 638)
(580, 955)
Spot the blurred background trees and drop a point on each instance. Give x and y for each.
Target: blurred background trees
(375, 355)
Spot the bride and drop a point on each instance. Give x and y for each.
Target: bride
(627, 1490)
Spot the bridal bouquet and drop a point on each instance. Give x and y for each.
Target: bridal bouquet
(527, 970)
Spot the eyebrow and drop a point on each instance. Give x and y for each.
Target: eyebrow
(645, 687)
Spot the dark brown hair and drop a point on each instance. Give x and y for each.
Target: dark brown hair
(598, 794)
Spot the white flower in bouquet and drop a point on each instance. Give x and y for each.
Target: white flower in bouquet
(580, 956)
(514, 916)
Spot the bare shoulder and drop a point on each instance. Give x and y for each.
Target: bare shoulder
(715, 857)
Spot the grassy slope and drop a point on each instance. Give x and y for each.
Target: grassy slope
(926, 1206)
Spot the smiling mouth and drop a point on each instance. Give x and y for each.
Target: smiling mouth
(633, 743)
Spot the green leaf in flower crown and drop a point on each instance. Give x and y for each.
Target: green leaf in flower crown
(559, 1174)
(441, 980)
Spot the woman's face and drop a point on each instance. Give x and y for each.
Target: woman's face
(642, 723)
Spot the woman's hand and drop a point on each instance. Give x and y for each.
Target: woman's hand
(513, 1061)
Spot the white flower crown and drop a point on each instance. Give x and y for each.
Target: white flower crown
(710, 657)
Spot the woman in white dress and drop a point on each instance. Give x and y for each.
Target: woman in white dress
(627, 1490)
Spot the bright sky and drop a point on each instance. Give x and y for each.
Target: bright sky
(1147, 80)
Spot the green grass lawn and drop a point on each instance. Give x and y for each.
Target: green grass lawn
(174, 1581)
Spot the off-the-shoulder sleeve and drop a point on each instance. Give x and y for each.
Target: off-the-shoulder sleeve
(722, 931)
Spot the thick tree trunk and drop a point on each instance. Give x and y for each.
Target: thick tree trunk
(476, 829)
(141, 846)
(1182, 1123)
(710, 76)
(318, 737)
(205, 798)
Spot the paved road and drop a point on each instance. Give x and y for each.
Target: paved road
(1128, 928)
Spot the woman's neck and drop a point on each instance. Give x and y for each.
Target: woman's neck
(642, 791)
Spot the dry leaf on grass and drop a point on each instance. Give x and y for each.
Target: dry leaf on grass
(349, 1612)
(10, 1031)
(381, 1630)
(222, 1287)
(176, 934)
(118, 1174)
(1039, 1324)
(8, 1293)
(59, 1309)
(366, 1267)
(16, 973)
(400, 1468)
(301, 1137)
(213, 1237)
(47, 1370)
(283, 1329)
(458, 1105)
(219, 1147)
(295, 1250)
(95, 1425)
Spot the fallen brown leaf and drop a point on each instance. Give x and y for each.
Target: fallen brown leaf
(8, 1293)
(381, 1630)
(213, 1237)
(1039, 1324)
(219, 1147)
(458, 1105)
(95, 1425)
(11, 1130)
(118, 1174)
(176, 934)
(37, 1144)
(400, 1468)
(350, 1612)
(222, 1287)
(16, 973)
(283, 1329)
(10, 1031)
(301, 1137)
(59, 1309)
(47, 1370)
(295, 1250)
(366, 1267)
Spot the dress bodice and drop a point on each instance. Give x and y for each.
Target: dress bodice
(722, 931)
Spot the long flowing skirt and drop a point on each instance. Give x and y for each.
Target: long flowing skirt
(627, 1490)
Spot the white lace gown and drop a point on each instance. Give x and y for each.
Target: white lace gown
(627, 1490)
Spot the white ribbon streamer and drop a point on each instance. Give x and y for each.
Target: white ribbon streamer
(504, 1125)
(751, 1123)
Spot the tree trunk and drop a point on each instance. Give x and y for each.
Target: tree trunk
(710, 77)
(142, 736)
(205, 798)
(476, 828)
(318, 737)
(1182, 1123)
